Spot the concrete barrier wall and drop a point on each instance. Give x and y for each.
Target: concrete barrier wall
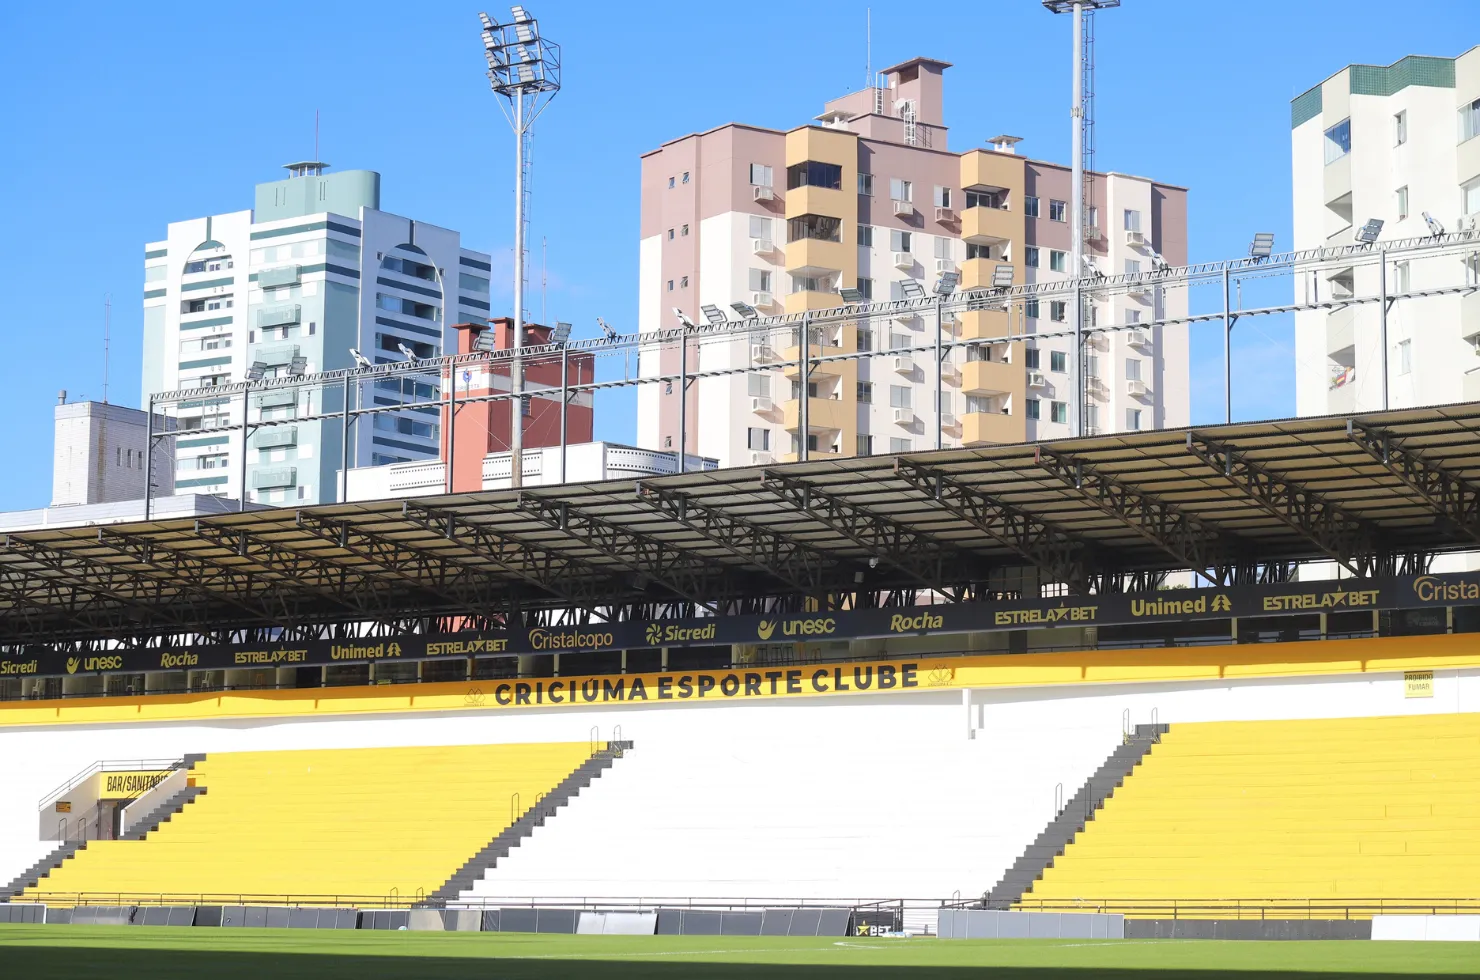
(1256, 929)
(985, 924)
(617, 924)
(1430, 928)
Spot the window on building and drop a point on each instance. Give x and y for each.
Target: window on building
(1030, 256)
(670, 181)
(1091, 366)
(685, 176)
(1057, 210)
(986, 199)
(760, 175)
(897, 445)
(900, 241)
(819, 227)
(402, 425)
(901, 190)
(810, 284)
(942, 247)
(866, 287)
(1133, 369)
(1030, 357)
(978, 404)
(1030, 309)
(865, 338)
(1057, 261)
(1132, 316)
(1030, 206)
(760, 228)
(1400, 128)
(683, 232)
(1091, 418)
(194, 306)
(866, 184)
(1469, 121)
(758, 439)
(1469, 196)
(865, 236)
(670, 285)
(899, 341)
(865, 445)
(1032, 409)
(975, 251)
(1402, 196)
(1058, 411)
(1405, 357)
(683, 282)
(1058, 361)
(760, 281)
(1338, 141)
(942, 197)
(899, 396)
(1133, 419)
(1402, 280)
(1132, 267)
(670, 234)
(1058, 310)
(758, 385)
(865, 392)
(1132, 220)
(814, 174)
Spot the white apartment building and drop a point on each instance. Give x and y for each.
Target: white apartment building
(1388, 143)
(870, 196)
(289, 287)
(99, 457)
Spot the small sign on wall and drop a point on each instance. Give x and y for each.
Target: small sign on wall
(1418, 683)
(64, 806)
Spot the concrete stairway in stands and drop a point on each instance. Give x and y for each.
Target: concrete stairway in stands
(163, 812)
(479, 864)
(32, 875)
(1072, 819)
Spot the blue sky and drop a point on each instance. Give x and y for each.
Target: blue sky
(122, 117)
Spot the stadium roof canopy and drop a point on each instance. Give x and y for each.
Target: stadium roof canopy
(1378, 493)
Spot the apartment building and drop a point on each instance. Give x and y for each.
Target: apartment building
(99, 455)
(869, 195)
(290, 287)
(1392, 144)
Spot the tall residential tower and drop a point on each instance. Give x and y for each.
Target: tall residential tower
(315, 269)
(870, 195)
(1391, 144)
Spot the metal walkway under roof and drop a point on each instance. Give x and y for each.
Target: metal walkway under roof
(1378, 493)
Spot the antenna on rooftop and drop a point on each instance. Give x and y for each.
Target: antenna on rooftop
(107, 329)
(868, 47)
(316, 134)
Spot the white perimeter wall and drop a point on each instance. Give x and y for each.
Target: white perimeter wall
(1062, 733)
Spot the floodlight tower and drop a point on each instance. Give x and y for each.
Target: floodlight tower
(1082, 10)
(523, 68)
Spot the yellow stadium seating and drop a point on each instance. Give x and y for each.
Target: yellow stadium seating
(1324, 810)
(346, 822)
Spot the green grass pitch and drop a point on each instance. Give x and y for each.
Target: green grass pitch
(128, 952)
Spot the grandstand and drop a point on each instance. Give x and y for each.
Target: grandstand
(1113, 673)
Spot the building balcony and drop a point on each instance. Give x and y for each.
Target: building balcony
(811, 299)
(820, 369)
(978, 273)
(981, 324)
(821, 200)
(813, 257)
(812, 454)
(990, 170)
(823, 414)
(277, 478)
(991, 428)
(987, 226)
(991, 378)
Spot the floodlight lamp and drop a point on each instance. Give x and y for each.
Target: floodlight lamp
(256, 371)
(360, 359)
(946, 284)
(712, 313)
(851, 294)
(521, 16)
(607, 329)
(525, 73)
(1367, 234)
(523, 34)
(1002, 277)
(407, 351)
(746, 311)
(911, 289)
(1263, 245)
(297, 366)
(1435, 228)
(561, 333)
(488, 22)
(683, 317)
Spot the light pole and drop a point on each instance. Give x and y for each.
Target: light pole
(524, 68)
